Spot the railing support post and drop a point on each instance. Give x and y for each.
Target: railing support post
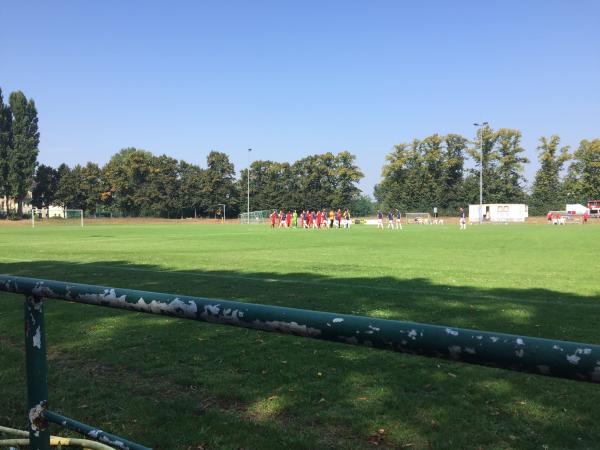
(37, 373)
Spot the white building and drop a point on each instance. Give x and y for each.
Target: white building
(576, 209)
(499, 212)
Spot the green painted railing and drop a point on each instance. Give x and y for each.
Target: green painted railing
(561, 359)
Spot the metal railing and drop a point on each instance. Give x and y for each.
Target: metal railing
(554, 358)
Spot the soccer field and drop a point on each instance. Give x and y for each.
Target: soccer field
(176, 384)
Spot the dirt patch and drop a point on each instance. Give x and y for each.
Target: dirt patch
(121, 221)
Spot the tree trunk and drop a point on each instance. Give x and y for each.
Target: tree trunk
(20, 206)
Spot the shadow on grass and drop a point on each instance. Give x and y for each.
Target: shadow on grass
(228, 388)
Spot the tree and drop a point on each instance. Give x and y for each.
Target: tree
(424, 174)
(68, 193)
(547, 193)
(22, 155)
(125, 174)
(272, 186)
(219, 185)
(485, 158)
(346, 175)
(5, 146)
(191, 182)
(316, 181)
(583, 179)
(510, 166)
(502, 166)
(160, 193)
(44, 186)
(91, 187)
(362, 206)
(401, 186)
(451, 183)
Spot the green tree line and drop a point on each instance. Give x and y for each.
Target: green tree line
(444, 171)
(439, 170)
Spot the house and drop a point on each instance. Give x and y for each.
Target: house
(499, 212)
(8, 204)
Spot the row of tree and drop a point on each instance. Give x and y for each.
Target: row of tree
(441, 171)
(432, 172)
(137, 183)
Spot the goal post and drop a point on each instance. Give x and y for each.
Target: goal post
(255, 217)
(56, 216)
(418, 218)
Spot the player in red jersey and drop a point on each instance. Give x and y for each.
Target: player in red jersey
(273, 215)
(310, 219)
(288, 219)
(281, 221)
(319, 217)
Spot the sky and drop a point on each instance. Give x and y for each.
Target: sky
(294, 78)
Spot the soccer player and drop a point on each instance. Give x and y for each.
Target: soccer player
(310, 219)
(463, 219)
(331, 218)
(346, 219)
(398, 219)
(295, 219)
(339, 218)
(379, 219)
(586, 216)
(288, 220)
(281, 219)
(305, 219)
(319, 218)
(549, 217)
(273, 215)
(390, 220)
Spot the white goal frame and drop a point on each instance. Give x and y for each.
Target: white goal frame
(418, 218)
(256, 217)
(65, 211)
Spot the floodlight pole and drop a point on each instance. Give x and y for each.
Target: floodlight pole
(481, 172)
(248, 203)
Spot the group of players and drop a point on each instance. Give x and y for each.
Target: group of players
(394, 221)
(311, 219)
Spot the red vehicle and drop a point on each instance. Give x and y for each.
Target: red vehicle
(594, 207)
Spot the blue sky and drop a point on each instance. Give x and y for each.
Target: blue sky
(296, 78)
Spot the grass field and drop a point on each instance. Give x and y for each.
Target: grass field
(176, 384)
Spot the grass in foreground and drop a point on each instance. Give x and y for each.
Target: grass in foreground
(174, 384)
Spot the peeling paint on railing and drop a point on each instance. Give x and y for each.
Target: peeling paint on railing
(547, 357)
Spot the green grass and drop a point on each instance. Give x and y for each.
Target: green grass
(176, 384)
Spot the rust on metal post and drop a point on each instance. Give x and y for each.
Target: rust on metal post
(37, 373)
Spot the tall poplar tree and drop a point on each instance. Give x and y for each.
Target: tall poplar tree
(5, 146)
(22, 155)
(547, 193)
